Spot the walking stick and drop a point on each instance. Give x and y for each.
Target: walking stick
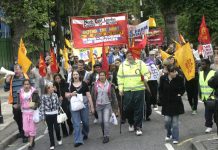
(121, 112)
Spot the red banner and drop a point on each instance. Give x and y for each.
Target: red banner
(155, 37)
(92, 31)
(204, 36)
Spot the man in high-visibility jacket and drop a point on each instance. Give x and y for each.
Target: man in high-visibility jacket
(205, 91)
(132, 76)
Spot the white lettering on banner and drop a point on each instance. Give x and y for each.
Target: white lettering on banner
(207, 50)
(101, 39)
(138, 30)
(99, 21)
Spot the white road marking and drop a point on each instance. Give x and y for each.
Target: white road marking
(26, 145)
(169, 146)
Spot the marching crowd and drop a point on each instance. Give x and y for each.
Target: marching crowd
(130, 90)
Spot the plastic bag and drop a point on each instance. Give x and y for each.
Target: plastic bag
(36, 116)
(113, 119)
(76, 102)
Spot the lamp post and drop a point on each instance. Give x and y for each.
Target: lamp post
(141, 11)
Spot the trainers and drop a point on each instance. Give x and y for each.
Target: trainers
(175, 142)
(60, 142)
(30, 147)
(105, 139)
(131, 128)
(155, 107)
(25, 139)
(78, 144)
(208, 130)
(138, 132)
(95, 121)
(194, 112)
(168, 138)
(52, 147)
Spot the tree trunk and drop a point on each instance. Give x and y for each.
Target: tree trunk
(59, 34)
(171, 26)
(19, 29)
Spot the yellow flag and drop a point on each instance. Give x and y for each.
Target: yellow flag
(61, 52)
(24, 61)
(22, 47)
(152, 22)
(164, 55)
(178, 46)
(66, 59)
(68, 43)
(186, 61)
(91, 57)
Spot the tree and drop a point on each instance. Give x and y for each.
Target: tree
(190, 19)
(27, 20)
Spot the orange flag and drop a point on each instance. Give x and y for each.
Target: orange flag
(42, 66)
(54, 65)
(181, 39)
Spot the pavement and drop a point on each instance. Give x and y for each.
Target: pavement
(8, 129)
(205, 142)
(191, 133)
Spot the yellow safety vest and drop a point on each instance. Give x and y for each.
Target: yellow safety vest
(129, 76)
(205, 89)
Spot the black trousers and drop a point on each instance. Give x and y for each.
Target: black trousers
(148, 110)
(209, 117)
(65, 105)
(192, 92)
(52, 124)
(153, 85)
(133, 106)
(19, 120)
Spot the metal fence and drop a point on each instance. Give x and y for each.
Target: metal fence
(6, 53)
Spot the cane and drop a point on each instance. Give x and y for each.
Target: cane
(121, 112)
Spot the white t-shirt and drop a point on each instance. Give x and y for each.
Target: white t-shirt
(154, 71)
(26, 95)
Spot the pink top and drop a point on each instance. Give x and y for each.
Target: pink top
(25, 99)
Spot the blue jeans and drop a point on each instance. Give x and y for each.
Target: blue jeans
(104, 114)
(172, 126)
(77, 117)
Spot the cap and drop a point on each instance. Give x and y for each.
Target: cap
(97, 65)
(166, 62)
(152, 52)
(47, 58)
(156, 50)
